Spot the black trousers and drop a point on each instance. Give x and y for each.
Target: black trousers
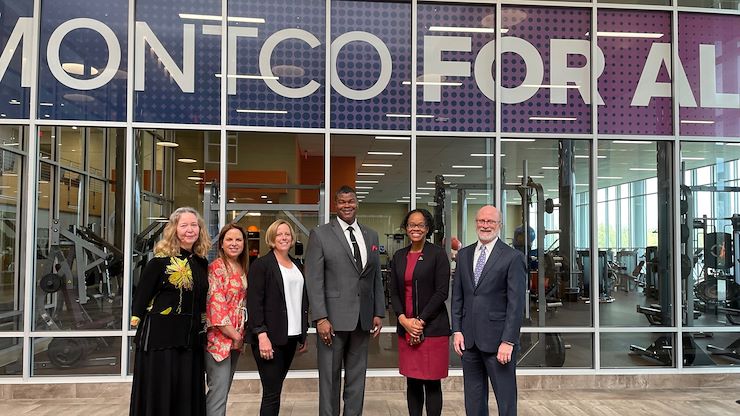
(416, 390)
(272, 374)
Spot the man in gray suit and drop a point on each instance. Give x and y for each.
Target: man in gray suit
(345, 294)
(487, 309)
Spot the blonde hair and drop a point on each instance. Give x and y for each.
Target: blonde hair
(271, 233)
(169, 245)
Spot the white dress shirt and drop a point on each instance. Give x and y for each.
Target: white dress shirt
(489, 247)
(358, 236)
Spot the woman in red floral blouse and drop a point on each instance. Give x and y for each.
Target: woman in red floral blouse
(225, 315)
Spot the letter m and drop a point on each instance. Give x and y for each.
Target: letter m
(23, 31)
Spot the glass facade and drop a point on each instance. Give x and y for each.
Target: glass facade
(607, 134)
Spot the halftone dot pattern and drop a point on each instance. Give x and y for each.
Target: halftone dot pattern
(624, 62)
(162, 99)
(358, 65)
(87, 47)
(293, 61)
(10, 84)
(538, 25)
(722, 31)
(465, 107)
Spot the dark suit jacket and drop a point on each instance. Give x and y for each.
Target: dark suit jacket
(431, 280)
(266, 310)
(492, 311)
(337, 288)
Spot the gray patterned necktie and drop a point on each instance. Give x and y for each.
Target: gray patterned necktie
(479, 265)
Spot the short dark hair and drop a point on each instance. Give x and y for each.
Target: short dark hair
(428, 219)
(345, 189)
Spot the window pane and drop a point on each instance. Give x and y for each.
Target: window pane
(711, 349)
(543, 179)
(641, 349)
(555, 350)
(11, 236)
(710, 233)
(60, 356)
(12, 364)
(635, 283)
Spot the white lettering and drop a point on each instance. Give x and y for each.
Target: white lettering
(534, 75)
(435, 68)
(648, 87)
(55, 43)
(708, 82)
(266, 69)
(23, 31)
(184, 78)
(561, 73)
(386, 65)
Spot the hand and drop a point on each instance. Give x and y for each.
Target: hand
(302, 348)
(504, 353)
(238, 342)
(134, 321)
(377, 324)
(458, 342)
(325, 331)
(414, 340)
(413, 326)
(265, 346)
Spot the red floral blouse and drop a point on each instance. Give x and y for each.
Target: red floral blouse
(227, 293)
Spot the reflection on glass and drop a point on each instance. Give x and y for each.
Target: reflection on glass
(710, 233)
(12, 351)
(79, 244)
(546, 201)
(642, 349)
(281, 176)
(711, 4)
(75, 356)
(379, 167)
(635, 258)
(711, 349)
(11, 278)
(556, 350)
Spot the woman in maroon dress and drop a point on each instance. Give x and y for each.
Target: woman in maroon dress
(420, 281)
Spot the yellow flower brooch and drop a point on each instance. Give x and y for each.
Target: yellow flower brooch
(180, 274)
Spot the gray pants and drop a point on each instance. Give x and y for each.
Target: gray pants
(219, 376)
(348, 350)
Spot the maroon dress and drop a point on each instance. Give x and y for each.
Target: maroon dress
(430, 359)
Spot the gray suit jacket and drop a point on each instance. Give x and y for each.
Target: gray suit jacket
(337, 289)
(492, 311)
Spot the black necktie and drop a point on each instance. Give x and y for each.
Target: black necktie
(355, 247)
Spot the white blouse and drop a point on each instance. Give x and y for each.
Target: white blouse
(293, 285)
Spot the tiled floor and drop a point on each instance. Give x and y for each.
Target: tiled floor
(679, 402)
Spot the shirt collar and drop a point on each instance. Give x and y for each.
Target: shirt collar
(489, 246)
(344, 225)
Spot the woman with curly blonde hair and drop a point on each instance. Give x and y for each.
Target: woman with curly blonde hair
(168, 310)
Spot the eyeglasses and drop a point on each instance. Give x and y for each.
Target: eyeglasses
(410, 226)
(487, 222)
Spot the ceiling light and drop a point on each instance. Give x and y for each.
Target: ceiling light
(697, 121)
(370, 174)
(167, 144)
(220, 18)
(631, 142)
(385, 153)
(549, 168)
(199, 171)
(186, 160)
(14, 102)
(377, 165)
(194, 178)
(609, 177)
(552, 190)
(238, 76)
(477, 194)
(362, 193)
(263, 196)
(467, 167)
(440, 83)
(517, 140)
(532, 176)
(482, 154)
(365, 181)
(453, 175)
(422, 193)
(392, 138)
(425, 188)
(402, 200)
(47, 104)
(247, 110)
(692, 158)
(392, 115)
(269, 201)
(644, 169)
(463, 29)
(254, 214)
(628, 35)
(537, 118)
(363, 187)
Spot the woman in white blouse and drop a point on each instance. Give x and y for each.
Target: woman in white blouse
(278, 313)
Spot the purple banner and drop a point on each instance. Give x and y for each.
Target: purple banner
(635, 82)
(708, 47)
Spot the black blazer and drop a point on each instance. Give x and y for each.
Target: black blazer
(266, 310)
(431, 279)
